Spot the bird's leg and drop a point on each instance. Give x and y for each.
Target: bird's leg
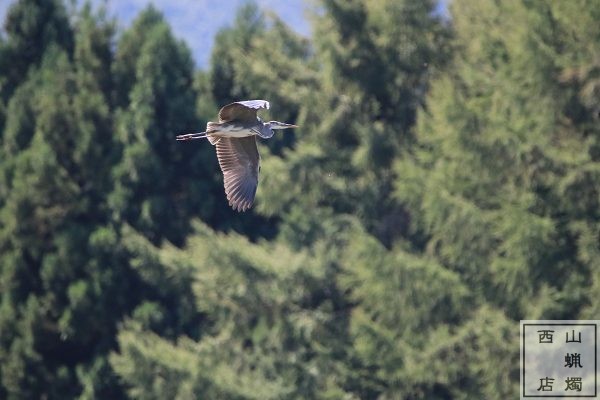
(191, 136)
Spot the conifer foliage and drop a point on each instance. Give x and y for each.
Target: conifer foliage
(444, 184)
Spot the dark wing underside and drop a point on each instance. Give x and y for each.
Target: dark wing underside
(242, 110)
(239, 161)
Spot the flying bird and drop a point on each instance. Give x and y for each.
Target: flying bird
(234, 137)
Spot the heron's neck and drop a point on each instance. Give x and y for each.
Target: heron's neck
(266, 130)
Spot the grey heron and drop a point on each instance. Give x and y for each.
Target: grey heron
(234, 137)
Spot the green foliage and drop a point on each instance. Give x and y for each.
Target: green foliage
(230, 44)
(265, 324)
(507, 112)
(372, 69)
(63, 282)
(32, 26)
(443, 184)
(159, 184)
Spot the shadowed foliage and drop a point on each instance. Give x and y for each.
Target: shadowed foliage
(444, 184)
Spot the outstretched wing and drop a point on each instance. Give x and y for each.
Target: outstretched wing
(239, 161)
(242, 110)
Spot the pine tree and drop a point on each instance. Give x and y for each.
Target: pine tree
(65, 282)
(31, 27)
(159, 183)
(374, 62)
(510, 112)
(267, 327)
(505, 143)
(231, 44)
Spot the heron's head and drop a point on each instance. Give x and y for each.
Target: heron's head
(280, 125)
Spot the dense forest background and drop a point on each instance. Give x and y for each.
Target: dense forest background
(444, 184)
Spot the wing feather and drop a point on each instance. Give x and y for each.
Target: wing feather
(239, 161)
(242, 110)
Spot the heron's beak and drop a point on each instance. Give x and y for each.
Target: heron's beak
(292, 126)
